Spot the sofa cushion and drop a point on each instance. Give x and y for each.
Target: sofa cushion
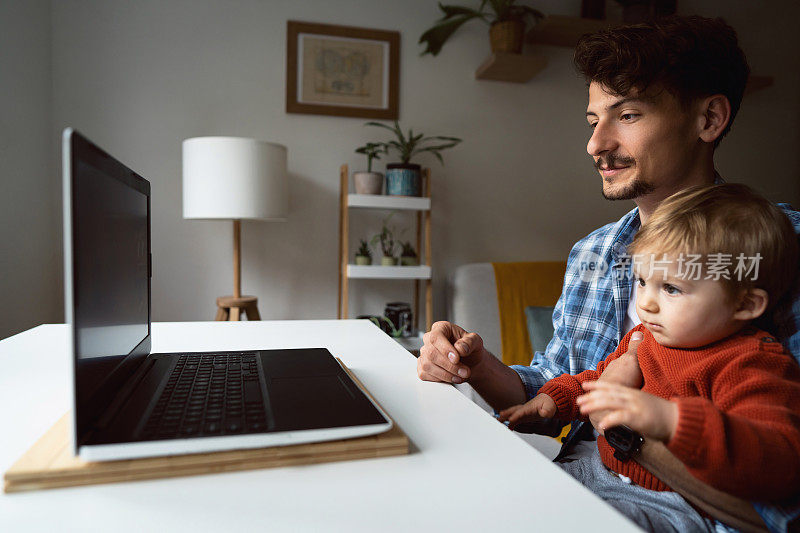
(540, 326)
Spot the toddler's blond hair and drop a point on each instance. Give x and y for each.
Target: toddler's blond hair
(731, 219)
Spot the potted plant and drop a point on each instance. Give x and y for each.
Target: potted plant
(507, 22)
(408, 256)
(369, 182)
(403, 178)
(386, 239)
(364, 254)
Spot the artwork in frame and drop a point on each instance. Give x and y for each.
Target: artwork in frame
(342, 71)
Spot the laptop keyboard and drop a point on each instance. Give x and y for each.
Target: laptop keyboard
(209, 394)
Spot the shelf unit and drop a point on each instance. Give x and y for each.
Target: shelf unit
(420, 274)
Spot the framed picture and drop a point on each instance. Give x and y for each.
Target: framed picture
(342, 71)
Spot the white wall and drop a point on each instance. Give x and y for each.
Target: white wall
(138, 78)
(29, 264)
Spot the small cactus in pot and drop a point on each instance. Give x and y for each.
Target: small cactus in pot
(408, 256)
(364, 254)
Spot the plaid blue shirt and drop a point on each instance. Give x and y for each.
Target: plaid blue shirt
(589, 317)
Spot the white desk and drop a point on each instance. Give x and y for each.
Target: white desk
(465, 471)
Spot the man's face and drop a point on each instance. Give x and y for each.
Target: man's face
(641, 143)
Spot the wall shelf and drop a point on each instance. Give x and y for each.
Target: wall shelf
(515, 68)
(756, 83)
(388, 272)
(560, 30)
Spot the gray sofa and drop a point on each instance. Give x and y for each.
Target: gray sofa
(472, 304)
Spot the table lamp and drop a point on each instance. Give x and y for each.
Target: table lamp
(234, 178)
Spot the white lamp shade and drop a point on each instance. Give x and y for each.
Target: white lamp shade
(234, 178)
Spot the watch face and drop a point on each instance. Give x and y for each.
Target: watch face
(624, 440)
(621, 437)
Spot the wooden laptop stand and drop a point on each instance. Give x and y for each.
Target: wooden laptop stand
(49, 463)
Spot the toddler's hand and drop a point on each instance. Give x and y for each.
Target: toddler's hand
(540, 407)
(649, 415)
(624, 370)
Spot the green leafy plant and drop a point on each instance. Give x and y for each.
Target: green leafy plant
(385, 238)
(411, 145)
(372, 151)
(455, 16)
(363, 249)
(408, 250)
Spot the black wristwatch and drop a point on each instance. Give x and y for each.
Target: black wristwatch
(625, 441)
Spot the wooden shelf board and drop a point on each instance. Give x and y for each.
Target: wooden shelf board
(388, 272)
(756, 83)
(516, 68)
(560, 30)
(382, 201)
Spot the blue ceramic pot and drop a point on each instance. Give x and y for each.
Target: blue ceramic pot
(403, 179)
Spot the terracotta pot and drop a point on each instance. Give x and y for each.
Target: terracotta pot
(363, 260)
(388, 261)
(506, 36)
(368, 182)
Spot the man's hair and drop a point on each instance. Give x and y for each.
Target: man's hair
(725, 219)
(689, 56)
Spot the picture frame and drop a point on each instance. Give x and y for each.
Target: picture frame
(342, 71)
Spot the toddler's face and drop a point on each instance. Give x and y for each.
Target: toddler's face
(680, 311)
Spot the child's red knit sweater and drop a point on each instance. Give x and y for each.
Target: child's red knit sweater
(739, 412)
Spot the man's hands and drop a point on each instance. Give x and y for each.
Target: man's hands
(649, 415)
(540, 407)
(449, 354)
(624, 370)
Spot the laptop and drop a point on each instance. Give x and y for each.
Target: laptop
(129, 402)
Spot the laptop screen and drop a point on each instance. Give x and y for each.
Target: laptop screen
(110, 279)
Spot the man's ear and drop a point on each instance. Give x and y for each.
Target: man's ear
(752, 304)
(715, 114)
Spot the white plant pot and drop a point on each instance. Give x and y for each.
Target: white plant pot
(368, 182)
(388, 261)
(363, 260)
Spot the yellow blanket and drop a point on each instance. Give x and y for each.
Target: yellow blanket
(518, 286)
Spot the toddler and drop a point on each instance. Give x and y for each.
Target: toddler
(722, 395)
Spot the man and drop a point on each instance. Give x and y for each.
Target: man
(661, 97)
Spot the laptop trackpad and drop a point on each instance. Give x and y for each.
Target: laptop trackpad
(313, 402)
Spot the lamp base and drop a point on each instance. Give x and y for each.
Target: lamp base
(232, 308)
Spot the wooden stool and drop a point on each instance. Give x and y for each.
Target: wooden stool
(231, 308)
